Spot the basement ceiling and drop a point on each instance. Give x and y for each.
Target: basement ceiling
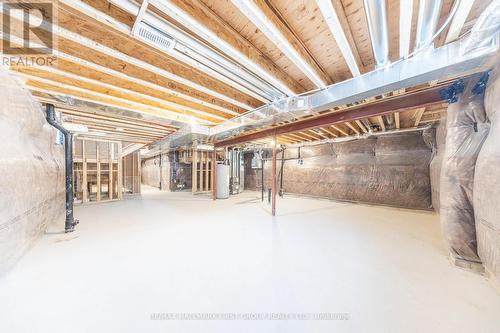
(207, 61)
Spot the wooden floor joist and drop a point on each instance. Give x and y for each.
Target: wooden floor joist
(396, 104)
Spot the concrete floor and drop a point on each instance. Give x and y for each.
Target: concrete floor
(175, 253)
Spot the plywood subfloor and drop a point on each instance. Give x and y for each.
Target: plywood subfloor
(175, 253)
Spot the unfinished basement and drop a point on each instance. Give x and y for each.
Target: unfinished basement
(250, 166)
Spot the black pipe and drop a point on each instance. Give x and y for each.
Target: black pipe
(262, 178)
(281, 192)
(70, 222)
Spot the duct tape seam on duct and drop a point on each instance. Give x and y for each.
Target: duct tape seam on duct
(487, 184)
(32, 188)
(466, 129)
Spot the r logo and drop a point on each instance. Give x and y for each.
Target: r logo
(27, 27)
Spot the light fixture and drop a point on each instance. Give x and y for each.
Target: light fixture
(75, 128)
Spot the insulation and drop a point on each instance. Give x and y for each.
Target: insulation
(437, 160)
(466, 129)
(390, 169)
(487, 184)
(32, 189)
(151, 173)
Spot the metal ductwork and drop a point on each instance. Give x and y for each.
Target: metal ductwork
(428, 17)
(376, 14)
(454, 60)
(236, 171)
(167, 37)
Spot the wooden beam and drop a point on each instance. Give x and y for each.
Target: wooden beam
(120, 171)
(81, 36)
(122, 120)
(214, 176)
(340, 130)
(39, 84)
(113, 36)
(318, 132)
(298, 136)
(90, 70)
(127, 132)
(69, 79)
(309, 135)
(139, 172)
(334, 15)
(348, 124)
(418, 115)
(110, 166)
(116, 138)
(205, 169)
(381, 122)
(194, 180)
(284, 38)
(329, 132)
(98, 159)
(360, 124)
(201, 13)
(395, 104)
(137, 129)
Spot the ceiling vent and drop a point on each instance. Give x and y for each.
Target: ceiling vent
(156, 37)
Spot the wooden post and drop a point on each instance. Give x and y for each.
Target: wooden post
(273, 179)
(133, 169)
(98, 163)
(84, 175)
(139, 171)
(214, 183)
(160, 165)
(120, 171)
(110, 175)
(207, 171)
(194, 181)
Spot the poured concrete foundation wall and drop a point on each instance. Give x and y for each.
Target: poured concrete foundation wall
(389, 170)
(32, 172)
(174, 175)
(487, 185)
(156, 172)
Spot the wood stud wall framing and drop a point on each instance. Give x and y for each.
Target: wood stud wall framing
(98, 172)
(202, 171)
